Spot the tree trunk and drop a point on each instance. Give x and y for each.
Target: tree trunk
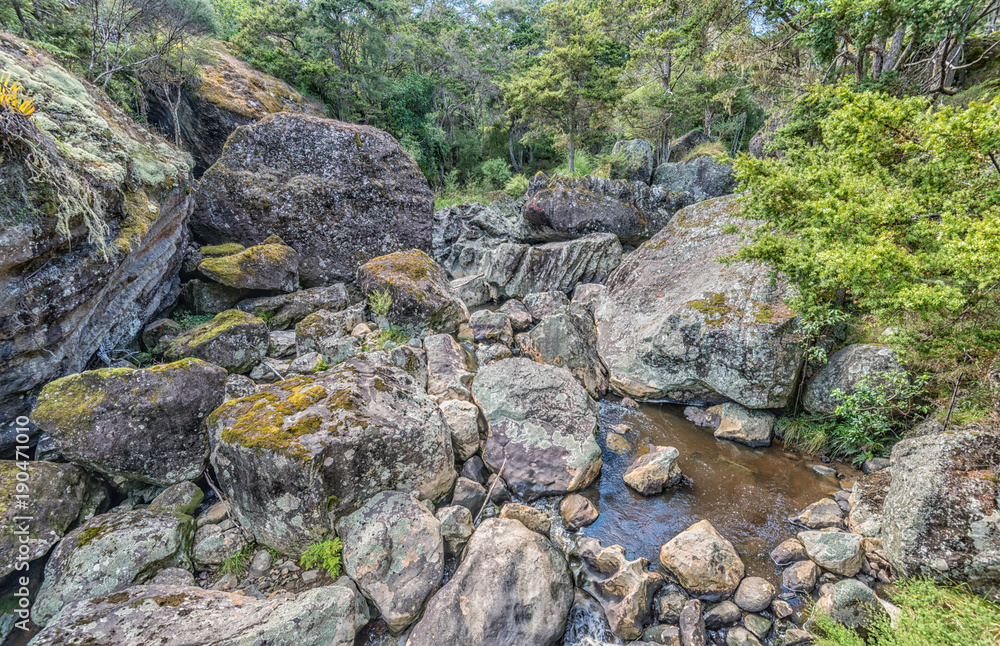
(24, 23)
(895, 49)
(572, 152)
(510, 146)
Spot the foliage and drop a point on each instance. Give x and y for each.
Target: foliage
(516, 186)
(320, 366)
(237, 564)
(267, 317)
(325, 555)
(12, 97)
(188, 320)
(497, 172)
(380, 302)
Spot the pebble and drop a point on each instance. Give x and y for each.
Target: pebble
(309, 576)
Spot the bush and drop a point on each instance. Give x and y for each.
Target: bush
(497, 172)
(516, 186)
(325, 555)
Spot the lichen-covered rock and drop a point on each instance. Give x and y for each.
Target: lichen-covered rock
(213, 545)
(462, 418)
(337, 193)
(55, 496)
(686, 143)
(512, 587)
(866, 500)
(675, 323)
(134, 425)
(209, 298)
(541, 423)
(624, 588)
(465, 233)
(109, 553)
(541, 304)
(456, 527)
(845, 369)
(473, 290)
(636, 163)
(183, 498)
(839, 552)
(533, 519)
(822, 514)
(487, 326)
(326, 332)
(284, 311)
(170, 615)
(300, 453)
(515, 270)
(702, 178)
(940, 517)
(520, 318)
(421, 294)
(266, 266)
(567, 339)
(736, 423)
(800, 576)
(394, 551)
(235, 340)
(849, 603)
(450, 369)
(652, 472)
(704, 562)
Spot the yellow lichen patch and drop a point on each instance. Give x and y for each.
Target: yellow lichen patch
(140, 213)
(208, 331)
(242, 269)
(714, 308)
(214, 251)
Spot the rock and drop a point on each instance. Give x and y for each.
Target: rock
(754, 594)
(261, 564)
(821, 515)
(515, 270)
(740, 636)
(469, 494)
(782, 609)
(394, 551)
(308, 363)
(178, 616)
(235, 340)
(419, 287)
(498, 492)
(490, 326)
(790, 551)
(456, 527)
(56, 497)
(796, 636)
(530, 517)
(486, 355)
(282, 344)
(210, 298)
(173, 576)
(306, 450)
(940, 514)
(704, 562)
(686, 143)
(238, 386)
(587, 295)
(844, 370)
(267, 266)
(475, 469)
(761, 144)
(462, 418)
(285, 310)
(757, 625)
(69, 290)
(838, 552)
(624, 588)
(109, 553)
(137, 426)
(541, 304)
(182, 498)
(567, 338)
(213, 545)
(346, 194)
(618, 443)
(512, 587)
(214, 515)
(473, 290)
(326, 333)
(46, 449)
(159, 331)
(721, 615)
(577, 511)
(692, 625)
(540, 427)
(849, 603)
(702, 178)
(660, 634)
(520, 318)
(449, 369)
(636, 163)
(674, 323)
(869, 467)
(465, 233)
(736, 423)
(823, 470)
(670, 602)
(650, 473)
(867, 500)
(800, 576)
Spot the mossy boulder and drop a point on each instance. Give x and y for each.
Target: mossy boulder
(285, 310)
(134, 425)
(328, 332)
(676, 323)
(267, 266)
(422, 295)
(702, 178)
(109, 553)
(635, 160)
(56, 497)
(541, 423)
(338, 193)
(300, 453)
(235, 340)
(206, 297)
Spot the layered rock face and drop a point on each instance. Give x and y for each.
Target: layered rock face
(465, 233)
(675, 323)
(62, 296)
(339, 194)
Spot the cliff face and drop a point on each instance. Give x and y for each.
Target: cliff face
(93, 219)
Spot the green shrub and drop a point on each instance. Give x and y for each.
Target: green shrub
(497, 172)
(325, 555)
(516, 186)
(380, 302)
(188, 320)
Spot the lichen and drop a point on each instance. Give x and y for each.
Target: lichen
(715, 309)
(206, 332)
(228, 249)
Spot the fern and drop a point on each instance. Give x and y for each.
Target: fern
(325, 555)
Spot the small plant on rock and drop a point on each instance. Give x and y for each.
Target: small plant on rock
(238, 563)
(320, 366)
(380, 302)
(325, 555)
(188, 320)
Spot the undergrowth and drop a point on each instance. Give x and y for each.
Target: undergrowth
(237, 564)
(325, 555)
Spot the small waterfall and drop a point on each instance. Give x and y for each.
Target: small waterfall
(587, 625)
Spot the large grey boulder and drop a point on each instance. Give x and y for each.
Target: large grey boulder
(465, 233)
(134, 426)
(736, 423)
(300, 453)
(567, 338)
(702, 178)
(512, 587)
(636, 160)
(839, 552)
(704, 562)
(285, 310)
(624, 588)
(845, 369)
(109, 553)
(394, 551)
(170, 615)
(940, 515)
(540, 427)
(515, 270)
(849, 603)
(235, 340)
(675, 323)
(337, 193)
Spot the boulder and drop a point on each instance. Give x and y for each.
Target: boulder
(182, 498)
(327, 333)
(540, 427)
(740, 636)
(515, 270)
(450, 369)
(577, 511)
(721, 615)
(790, 551)
(838, 552)
(157, 334)
(394, 551)
(213, 545)
(702, 178)
(739, 424)
(520, 318)
(473, 290)
(235, 340)
(487, 326)
(940, 516)
(624, 588)
(686, 143)
(541, 304)
(675, 323)
(421, 294)
(530, 517)
(636, 160)
(285, 310)
(512, 587)
(588, 295)
(821, 515)
(298, 454)
(462, 418)
(170, 615)
(754, 594)
(134, 425)
(650, 473)
(209, 298)
(456, 527)
(669, 603)
(757, 625)
(761, 144)
(109, 553)
(488, 354)
(704, 562)
(800, 576)
(337, 193)
(867, 499)
(469, 494)
(844, 370)
(692, 624)
(267, 266)
(464, 234)
(567, 338)
(849, 603)
(55, 497)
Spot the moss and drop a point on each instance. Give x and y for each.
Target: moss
(228, 249)
(240, 269)
(70, 402)
(140, 213)
(765, 314)
(207, 331)
(93, 532)
(260, 419)
(714, 308)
